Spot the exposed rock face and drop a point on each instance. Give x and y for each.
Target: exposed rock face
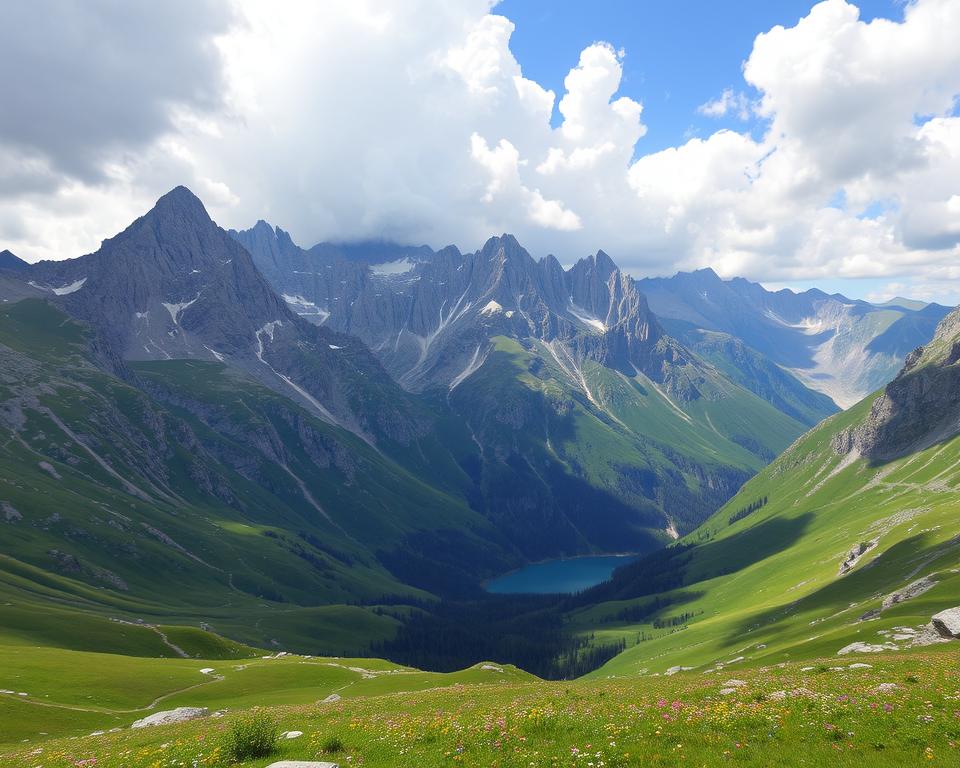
(429, 316)
(920, 407)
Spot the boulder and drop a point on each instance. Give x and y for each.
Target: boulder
(291, 734)
(178, 715)
(947, 622)
(861, 647)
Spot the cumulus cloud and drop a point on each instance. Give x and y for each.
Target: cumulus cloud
(414, 121)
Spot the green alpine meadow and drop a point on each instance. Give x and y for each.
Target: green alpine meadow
(483, 383)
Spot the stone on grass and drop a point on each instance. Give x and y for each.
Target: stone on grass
(861, 647)
(735, 683)
(178, 715)
(947, 622)
(291, 734)
(860, 665)
(727, 691)
(333, 698)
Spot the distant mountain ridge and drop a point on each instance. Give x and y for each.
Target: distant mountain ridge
(842, 347)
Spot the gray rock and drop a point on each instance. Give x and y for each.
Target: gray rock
(947, 622)
(861, 647)
(913, 589)
(178, 715)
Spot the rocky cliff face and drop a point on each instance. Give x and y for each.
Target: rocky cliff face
(429, 316)
(920, 407)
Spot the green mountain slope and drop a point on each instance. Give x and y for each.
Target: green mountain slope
(824, 548)
(201, 496)
(613, 451)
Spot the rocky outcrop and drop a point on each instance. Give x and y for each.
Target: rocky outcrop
(919, 408)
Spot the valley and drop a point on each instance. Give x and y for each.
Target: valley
(326, 482)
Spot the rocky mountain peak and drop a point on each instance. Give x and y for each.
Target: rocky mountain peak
(11, 261)
(505, 248)
(181, 205)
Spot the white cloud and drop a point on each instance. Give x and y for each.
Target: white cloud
(414, 121)
(727, 103)
(503, 163)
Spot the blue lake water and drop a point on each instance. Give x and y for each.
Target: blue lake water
(558, 576)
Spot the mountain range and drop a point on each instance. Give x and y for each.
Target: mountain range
(841, 347)
(226, 428)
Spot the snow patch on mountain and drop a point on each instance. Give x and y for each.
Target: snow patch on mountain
(72, 288)
(176, 309)
(492, 308)
(305, 307)
(587, 317)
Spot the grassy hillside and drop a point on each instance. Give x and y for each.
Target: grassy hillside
(199, 496)
(615, 452)
(767, 585)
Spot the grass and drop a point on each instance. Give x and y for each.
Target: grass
(69, 693)
(768, 586)
(798, 715)
(250, 736)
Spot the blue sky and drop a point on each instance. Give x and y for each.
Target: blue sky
(679, 54)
